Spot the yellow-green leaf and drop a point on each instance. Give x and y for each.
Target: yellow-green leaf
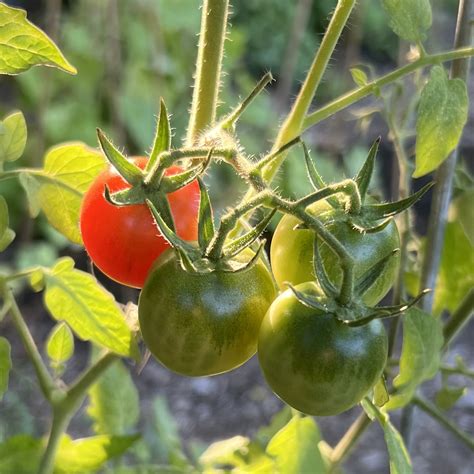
(23, 45)
(6, 234)
(20, 454)
(89, 454)
(58, 188)
(442, 114)
(421, 355)
(90, 311)
(5, 365)
(12, 137)
(60, 344)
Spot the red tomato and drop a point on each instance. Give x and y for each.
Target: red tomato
(123, 242)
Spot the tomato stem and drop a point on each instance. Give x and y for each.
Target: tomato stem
(208, 67)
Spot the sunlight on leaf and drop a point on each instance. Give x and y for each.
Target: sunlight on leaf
(12, 137)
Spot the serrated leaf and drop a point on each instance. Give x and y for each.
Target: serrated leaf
(12, 136)
(399, 458)
(442, 114)
(90, 311)
(23, 45)
(20, 454)
(60, 344)
(295, 447)
(58, 188)
(89, 454)
(5, 365)
(421, 355)
(409, 19)
(447, 397)
(113, 401)
(359, 76)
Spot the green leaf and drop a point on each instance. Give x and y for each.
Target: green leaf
(448, 396)
(225, 452)
(20, 454)
(295, 447)
(359, 76)
(381, 396)
(113, 401)
(89, 454)
(58, 188)
(91, 312)
(6, 234)
(5, 365)
(60, 344)
(442, 114)
(409, 19)
(12, 136)
(23, 45)
(400, 462)
(170, 445)
(421, 355)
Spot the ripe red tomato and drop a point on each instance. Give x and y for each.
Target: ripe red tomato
(123, 242)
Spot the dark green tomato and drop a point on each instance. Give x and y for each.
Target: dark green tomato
(314, 362)
(291, 252)
(206, 323)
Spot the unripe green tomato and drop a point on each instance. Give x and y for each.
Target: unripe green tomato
(315, 363)
(291, 252)
(206, 323)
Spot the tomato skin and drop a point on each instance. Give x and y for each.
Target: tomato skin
(123, 242)
(315, 363)
(291, 252)
(203, 324)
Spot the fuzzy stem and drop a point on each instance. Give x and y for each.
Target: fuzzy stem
(46, 382)
(208, 67)
(359, 93)
(293, 124)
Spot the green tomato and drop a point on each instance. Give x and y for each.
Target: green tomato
(314, 362)
(291, 252)
(203, 323)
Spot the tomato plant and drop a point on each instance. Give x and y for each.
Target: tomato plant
(203, 324)
(111, 234)
(209, 294)
(316, 363)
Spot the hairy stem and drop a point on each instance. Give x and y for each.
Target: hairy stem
(359, 93)
(208, 67)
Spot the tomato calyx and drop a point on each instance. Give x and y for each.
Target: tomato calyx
(352, 208)
(324, 294)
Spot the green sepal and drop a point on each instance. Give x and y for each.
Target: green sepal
(129, 172)
(168, 234)
(240, 243)
(246, 266)
(381, 211)
(365, 173)
(172, 183)
(307, 300)
(163, 206)
(373, 273)
(370, 230)
(323, 279)
(268, 159)
(186, 263)
(162, 140)
(127, 197)
(381, 395)
(315, 178)
(206, 229)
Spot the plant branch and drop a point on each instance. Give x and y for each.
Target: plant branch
(208, 67)
(441, 418)
(459, 318)
(46, 382)
(293, 124)
(359, 93)
(349, 440)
